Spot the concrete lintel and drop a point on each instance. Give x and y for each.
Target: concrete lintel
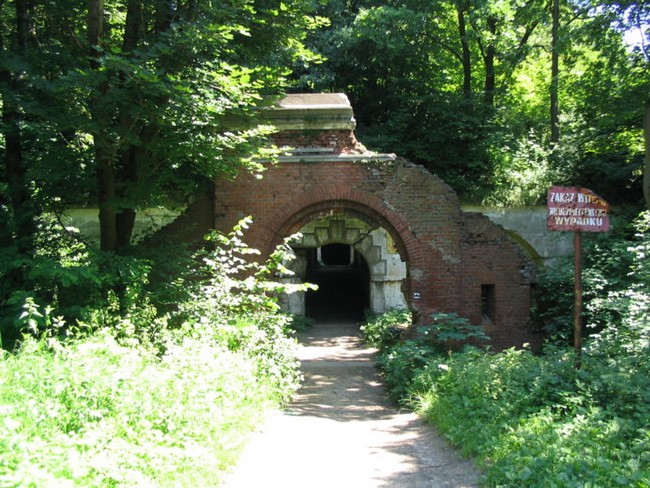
(327, 158)
(329, 123)
(310, 100)
(312, 111)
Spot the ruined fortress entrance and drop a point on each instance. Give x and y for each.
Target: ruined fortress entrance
(355, 263)
(375, 231)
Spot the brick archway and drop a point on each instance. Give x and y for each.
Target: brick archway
(363, 206)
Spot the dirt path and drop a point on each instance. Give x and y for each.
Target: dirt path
(341, 431)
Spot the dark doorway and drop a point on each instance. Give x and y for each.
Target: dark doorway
(343, 280)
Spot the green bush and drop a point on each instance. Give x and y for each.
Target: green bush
(299, 323)
(81, 283)
(607, 279)
(535, 421)
(237, 300)
(467, 390)
(383, 330)
(448, 330)
(401, 362)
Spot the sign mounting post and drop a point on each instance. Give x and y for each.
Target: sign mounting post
(577, 210)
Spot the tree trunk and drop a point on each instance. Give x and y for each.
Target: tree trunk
(126, 216)
(164, 10)
(134, 156)
(555, 72)
(22, 204)
(128, 172)
(106, 193)
(466, 53)
(646, 168)
(95, 29)
(104, 158)
(132, 27)
(488, 59)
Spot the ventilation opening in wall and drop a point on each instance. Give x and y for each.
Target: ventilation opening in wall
(488, 302)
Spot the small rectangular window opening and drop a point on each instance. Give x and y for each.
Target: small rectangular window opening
(488, 302)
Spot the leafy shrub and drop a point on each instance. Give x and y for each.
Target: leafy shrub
(447, 329)
(299, 323)
(608, 261)
(523, 170)
(79, 282)
(237, 299)
(144, 398)
(466, 390)
(402, 362)
(99, 413)
(384, 329)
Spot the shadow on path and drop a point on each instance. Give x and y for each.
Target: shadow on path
(341, 431)
(340, 380)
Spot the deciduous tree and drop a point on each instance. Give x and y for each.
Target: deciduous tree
(163, 84)
(646, 169)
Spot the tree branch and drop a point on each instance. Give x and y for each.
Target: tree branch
(75, 237)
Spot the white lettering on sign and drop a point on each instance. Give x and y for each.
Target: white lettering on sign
(586, 198)
(588, 221)
(562, 197)
(578, 212)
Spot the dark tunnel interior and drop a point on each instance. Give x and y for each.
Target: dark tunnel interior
(343, 280)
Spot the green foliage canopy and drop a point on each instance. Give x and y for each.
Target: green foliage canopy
(134, 103)
(464, 88)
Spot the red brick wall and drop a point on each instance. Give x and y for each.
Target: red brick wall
(449, 253)
(340, 141)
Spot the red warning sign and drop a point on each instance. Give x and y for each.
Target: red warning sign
(571, 208)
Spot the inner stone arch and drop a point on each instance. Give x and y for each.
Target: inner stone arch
(372, 262)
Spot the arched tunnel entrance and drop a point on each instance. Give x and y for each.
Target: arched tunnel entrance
(355, 263)
(343, 279)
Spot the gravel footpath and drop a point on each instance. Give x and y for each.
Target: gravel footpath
(341, 431)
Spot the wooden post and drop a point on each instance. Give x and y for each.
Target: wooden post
(577, 320)
(576, 209)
